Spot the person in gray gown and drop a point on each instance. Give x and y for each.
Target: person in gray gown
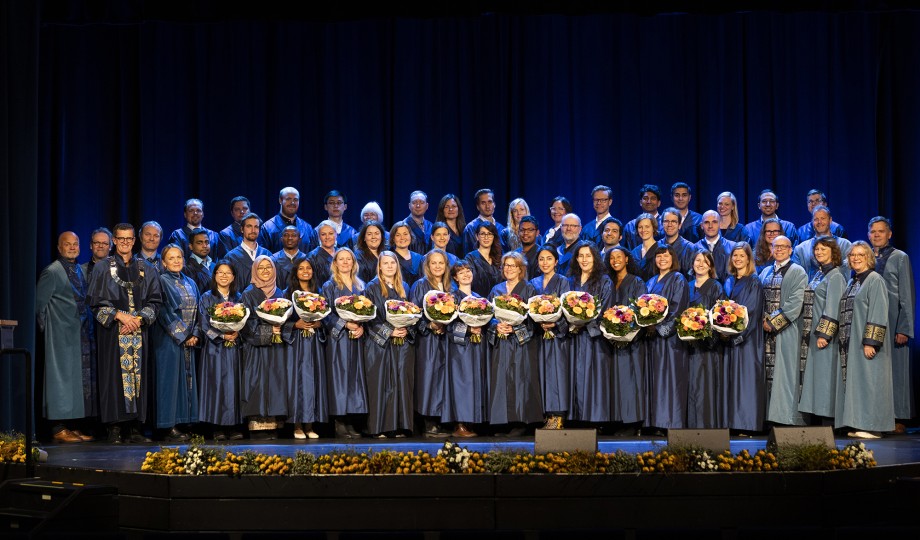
(629, 369)
(704, 404)
(894, 266)
(864, 393)
(820, 321)
(669, 364)
(388, 364)
(514, 383)
(744, 389)
(784, 291)
(175, 345)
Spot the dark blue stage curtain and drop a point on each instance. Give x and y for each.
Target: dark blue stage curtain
(135, 116)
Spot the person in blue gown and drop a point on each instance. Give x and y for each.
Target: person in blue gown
(744, 389)
(440, 239)
(175, 344)
(644, 253)
(820, 321)
(554, 353)
(486, 259)
(730, 228)
(431, 345)
(220, 365)
(346, 388)
(591, 369)
(307, 401)
(321, 256)
(388, 365)
(450, 212)
(410, 262)
(267, 366)
(669, 363)
(514, 384)
(864, 393)
(629, 365)
(704, 404)
(466, 387)
(763, 247)
(369, 244)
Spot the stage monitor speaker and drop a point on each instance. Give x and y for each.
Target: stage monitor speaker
(782, 436)
(716, 440)
(565, 440)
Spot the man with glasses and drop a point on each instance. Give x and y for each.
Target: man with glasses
(571, 232)
(768, 205)
(100, 247)
(528, 231)
(419, 227)
(194, 215)
(335, 204)
(650, 201)
(814, 199)
(272, 230)
(821, 227)
(124, 294)
(784, 295)
(601, 198)
(681, 247)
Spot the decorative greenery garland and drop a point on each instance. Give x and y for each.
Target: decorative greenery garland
(453, 458)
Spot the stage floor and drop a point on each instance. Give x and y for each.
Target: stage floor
(894, 450)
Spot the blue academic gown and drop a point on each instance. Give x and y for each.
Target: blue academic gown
(346, 388)
(704, 408)
(421, 234)
(669, 363)
(367, 265)
(466, 391)
(485, 275)
(176, 371)
(645, 263)
(894, 266)
(228, 239)
(390, 368)
(630, 237)
(431, 358)
(555, 354)
(200, 271)
(180, 237)
(471, 242)
(630, 371)
(321, 261)
(411, 268)
(307, 400)
(593, 358)
(745, 385)
(737, 234)
(267, 366)
(273, 229)
(514, 378)
(752, 230)
(220, 368)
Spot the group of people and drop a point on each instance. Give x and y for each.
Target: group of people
(128, 335)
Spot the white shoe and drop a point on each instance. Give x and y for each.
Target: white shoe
(864, 435)
(312, 435)
(299, 434)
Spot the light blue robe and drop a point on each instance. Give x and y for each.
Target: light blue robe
(786, 323)
(820, 379)
(899, 278)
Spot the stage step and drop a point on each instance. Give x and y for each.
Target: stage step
(34, 506)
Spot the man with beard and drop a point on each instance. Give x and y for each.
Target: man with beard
(242, 256)
(571, 232)
(67, 323)
(769, 205)
(232, 235)
(284, 258)
(151, 234)
(272, 230)
(529, 231)
(821, 225)
(125, 296)
(199, 265)
(194, 215)
(649, 201)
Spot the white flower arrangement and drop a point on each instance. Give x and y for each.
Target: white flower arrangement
(457, 457)
(860, 456)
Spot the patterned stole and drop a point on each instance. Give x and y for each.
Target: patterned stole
(772, 292)
(130, 345)
(846, 322)
(808, 317)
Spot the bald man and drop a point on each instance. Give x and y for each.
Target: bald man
(66, 320)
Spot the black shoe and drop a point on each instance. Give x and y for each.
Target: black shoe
(137, 437)
(219, 436)
(435, 432)
(114, 435)
(516, 432)
(176, 436)
(345, 431)
(352, 431)
(263, 435)
(236, 436)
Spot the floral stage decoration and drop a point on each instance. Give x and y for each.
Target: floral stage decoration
(310, 307)
(401, 314)
(650, 309)
(544, 309)
(475, 312)
(355, 308)
(275, 311)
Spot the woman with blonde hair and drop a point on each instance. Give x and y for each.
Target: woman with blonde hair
(731, 229)
(517, 209)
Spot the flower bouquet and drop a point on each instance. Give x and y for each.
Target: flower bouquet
(545, 308)
(275, 311)
(728, 317)
(228, 317)
(440, 307)
(475, 312)
(618, 324)
(650, 309)
(509, 309)
(579, 308)
(355, 308)
(693, 324)
(401, 314)
(310, 307)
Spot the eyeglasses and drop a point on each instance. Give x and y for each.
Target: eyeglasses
(335, 203)
(670, 222)
(782, 247)
(767, 201)
(100, 244)
(486, 234)
(509, 266)
(772, 232)
(601, 201)
(527, 229)
(124, 239)
(570, 226)
(223, 273)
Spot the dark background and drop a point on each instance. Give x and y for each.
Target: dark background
(119, 111)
